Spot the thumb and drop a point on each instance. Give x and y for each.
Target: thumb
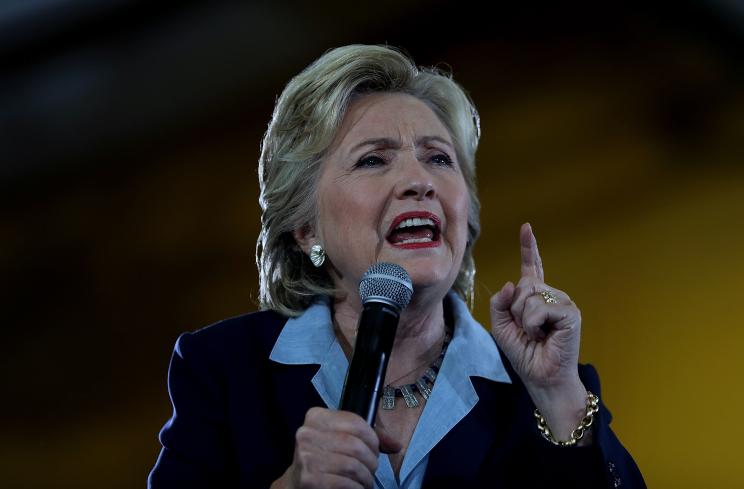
(501, 301)
(388, 444)
(504, 328)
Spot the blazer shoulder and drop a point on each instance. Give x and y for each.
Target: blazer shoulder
(257, 331)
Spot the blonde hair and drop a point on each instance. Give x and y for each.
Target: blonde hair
(306, 118)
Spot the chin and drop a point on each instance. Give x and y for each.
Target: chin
(426, 267)
(424, 275)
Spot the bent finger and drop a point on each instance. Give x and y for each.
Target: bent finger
(351, 469)
(351, 446)
(343, 421)
(540, 318)
(319, 453)
(323, 475)
(529, 287)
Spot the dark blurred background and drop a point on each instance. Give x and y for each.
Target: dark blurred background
(129, 135)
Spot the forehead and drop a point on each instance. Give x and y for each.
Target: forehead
(389, 115)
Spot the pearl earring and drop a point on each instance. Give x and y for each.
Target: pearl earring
(317, 255)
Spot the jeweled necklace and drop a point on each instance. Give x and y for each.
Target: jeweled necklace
(423, 385)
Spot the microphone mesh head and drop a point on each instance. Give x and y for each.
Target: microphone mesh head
(388, 283)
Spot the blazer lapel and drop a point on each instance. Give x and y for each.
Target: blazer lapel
(461, 453)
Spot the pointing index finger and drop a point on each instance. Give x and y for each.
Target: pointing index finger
(531, 261)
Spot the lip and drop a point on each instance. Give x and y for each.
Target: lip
(421, 215)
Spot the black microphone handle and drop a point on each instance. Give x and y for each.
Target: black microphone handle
(366, 376)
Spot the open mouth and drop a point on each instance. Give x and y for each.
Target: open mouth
(415, 229)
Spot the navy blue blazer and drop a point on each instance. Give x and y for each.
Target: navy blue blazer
(235, 414)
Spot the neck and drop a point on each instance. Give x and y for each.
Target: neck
(418, 338)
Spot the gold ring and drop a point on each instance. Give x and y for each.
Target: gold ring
(549, 297)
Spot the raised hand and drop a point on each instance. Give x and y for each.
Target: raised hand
(335, 449)
(538, 327)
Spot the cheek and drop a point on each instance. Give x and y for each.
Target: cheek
(344, 212)
(459, 212)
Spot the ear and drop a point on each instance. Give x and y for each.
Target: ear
(305, 238)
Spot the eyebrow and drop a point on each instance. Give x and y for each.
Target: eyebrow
(395, 144)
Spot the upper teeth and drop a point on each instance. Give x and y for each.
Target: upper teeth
(415, 221)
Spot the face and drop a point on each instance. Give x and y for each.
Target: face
(391, 189)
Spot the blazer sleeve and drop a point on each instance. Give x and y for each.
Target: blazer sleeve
(196, 443)
(619, 468)
(604, 464)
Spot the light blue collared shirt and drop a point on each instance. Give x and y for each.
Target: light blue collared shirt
(309, 339)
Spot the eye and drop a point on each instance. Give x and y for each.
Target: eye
(370, 161)
(441, 159)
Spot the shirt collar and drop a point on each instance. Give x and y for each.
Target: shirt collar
(309, 339)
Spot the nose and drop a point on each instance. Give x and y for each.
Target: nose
(415, 182)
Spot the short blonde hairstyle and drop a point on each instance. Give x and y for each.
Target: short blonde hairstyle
(303, 126)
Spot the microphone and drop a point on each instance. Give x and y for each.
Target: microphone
(385, 290)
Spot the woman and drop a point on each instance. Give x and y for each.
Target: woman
(370, 159)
